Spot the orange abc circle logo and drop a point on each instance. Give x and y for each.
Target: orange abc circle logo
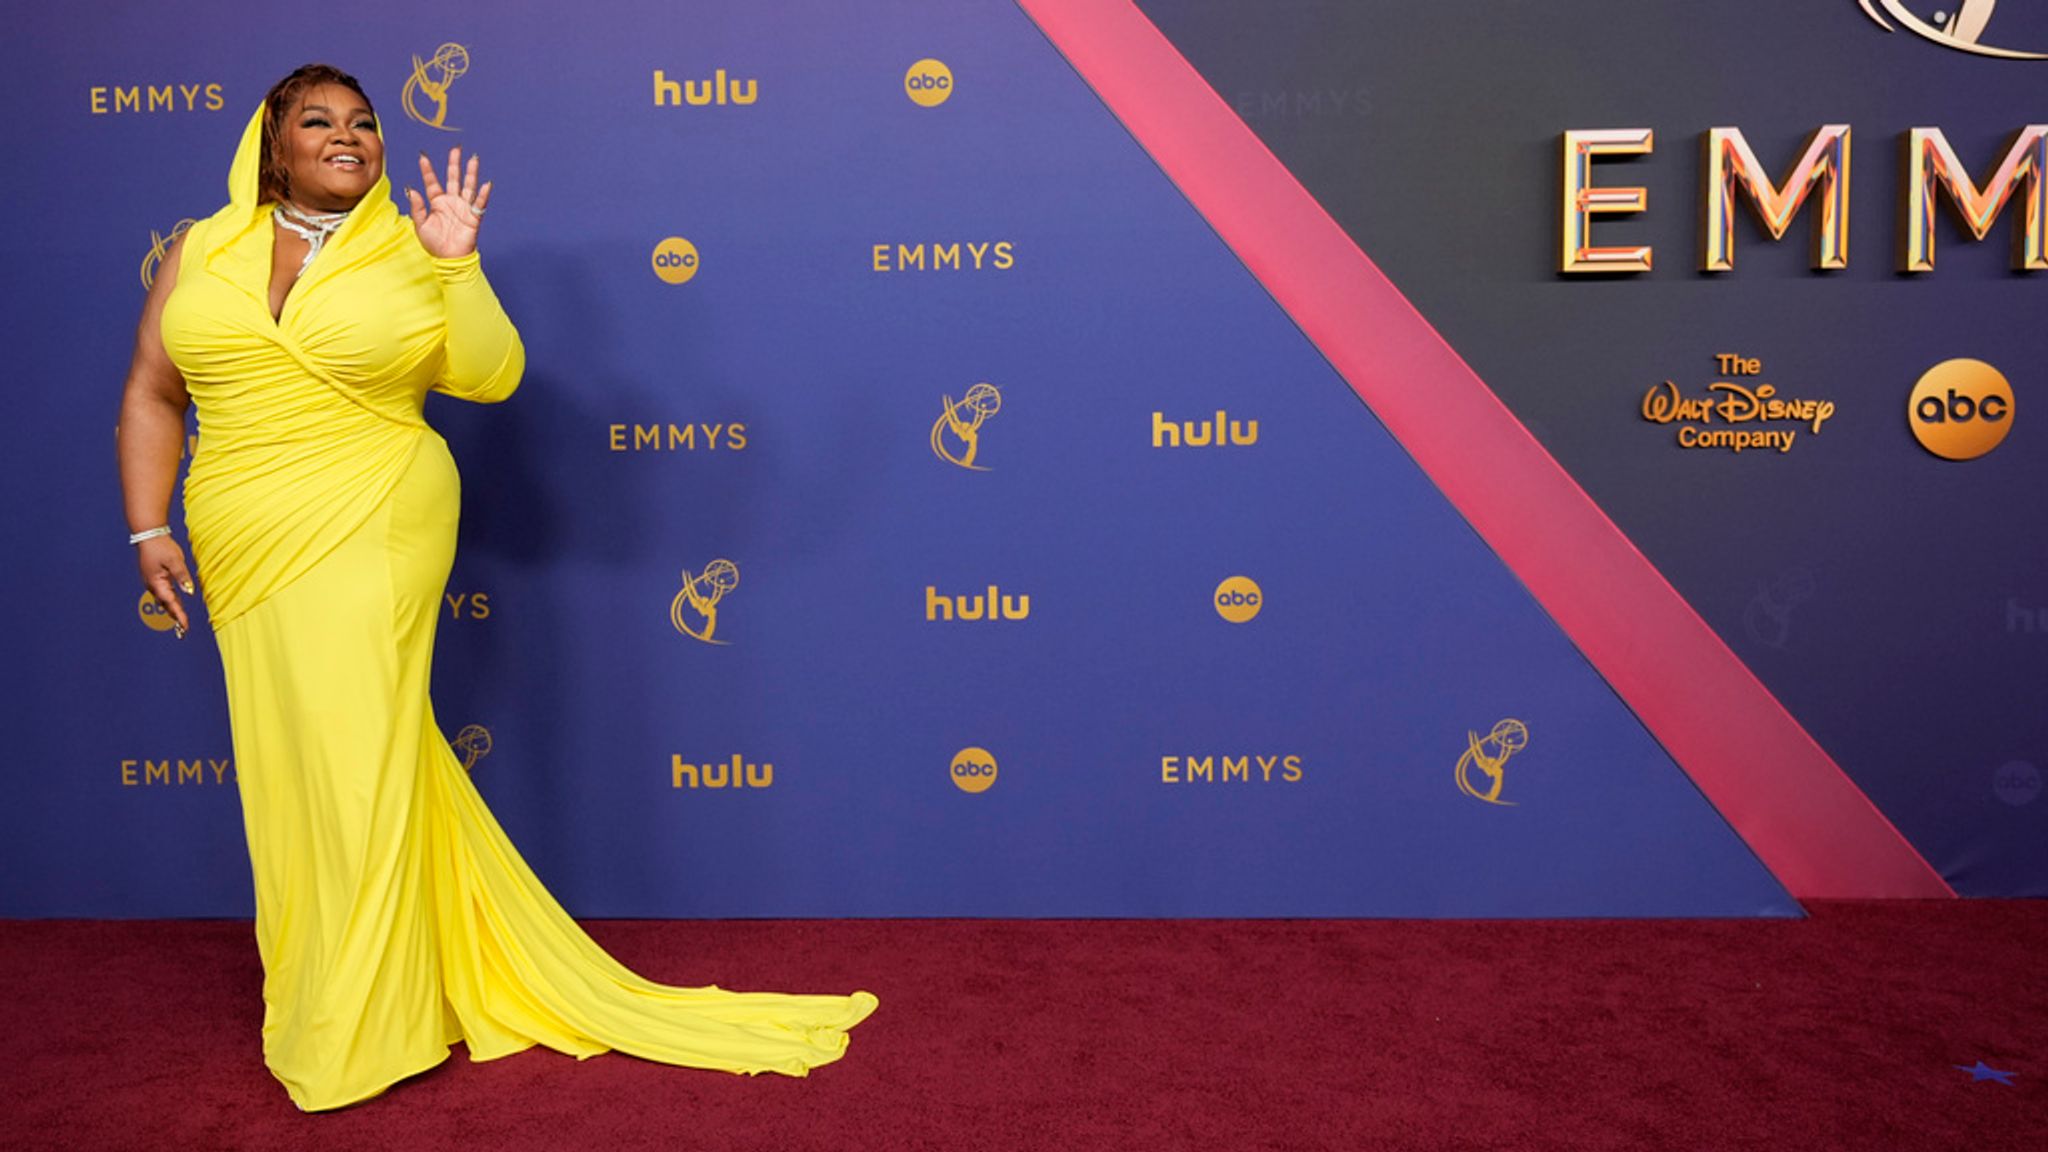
(153, 614)
(973, 770)
(675, 260)
(929, 83)
(1238, 599)
(1961, 409)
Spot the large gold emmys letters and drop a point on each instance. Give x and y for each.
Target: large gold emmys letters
(1731, 166)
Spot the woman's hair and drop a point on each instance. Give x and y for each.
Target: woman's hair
(273, 178)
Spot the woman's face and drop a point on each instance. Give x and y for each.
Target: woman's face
(331, 149)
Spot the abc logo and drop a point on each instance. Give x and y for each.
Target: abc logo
(1238, 599)
(928, 83)
(973, 770)
(1961, 409)
(153, 614)
(2017, 783)
(675, 260)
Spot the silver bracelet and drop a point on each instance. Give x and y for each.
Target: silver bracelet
(149, 534)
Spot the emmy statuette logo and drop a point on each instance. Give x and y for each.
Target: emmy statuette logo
(159, 246)
(1768, 615)
(1488, 755)
(1963, 28)
(928, 83)
(471, 744)
(1961, 409)
(426, 90)
(694, 611)
(956, 434)
(973, 770)
(675, 260)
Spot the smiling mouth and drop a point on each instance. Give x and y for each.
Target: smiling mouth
(348, 162)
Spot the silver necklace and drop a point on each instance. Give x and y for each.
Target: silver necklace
(313, 227)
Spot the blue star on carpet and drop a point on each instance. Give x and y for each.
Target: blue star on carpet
(1984, 1071)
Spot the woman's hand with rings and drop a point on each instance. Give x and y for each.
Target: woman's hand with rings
(165, 575)
(448, 217)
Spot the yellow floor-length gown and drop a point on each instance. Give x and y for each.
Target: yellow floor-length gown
(392, 914)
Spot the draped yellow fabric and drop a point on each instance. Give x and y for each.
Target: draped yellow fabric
(392, 914)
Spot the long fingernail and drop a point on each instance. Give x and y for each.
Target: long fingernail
(187, 586)
(178, 630)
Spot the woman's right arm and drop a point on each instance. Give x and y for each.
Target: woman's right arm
(150, 440)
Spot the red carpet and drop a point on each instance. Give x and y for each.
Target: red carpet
(1839, 1032)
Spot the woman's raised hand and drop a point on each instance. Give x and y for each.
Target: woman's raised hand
(447, 219)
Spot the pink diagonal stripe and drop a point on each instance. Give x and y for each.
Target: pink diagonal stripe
(1806, 820)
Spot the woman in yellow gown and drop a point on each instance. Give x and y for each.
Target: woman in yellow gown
(307, 320)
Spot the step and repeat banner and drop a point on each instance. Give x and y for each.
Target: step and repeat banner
(913, 508)
(1766, 279)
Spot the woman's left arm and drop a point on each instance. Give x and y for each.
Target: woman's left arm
(484, 355)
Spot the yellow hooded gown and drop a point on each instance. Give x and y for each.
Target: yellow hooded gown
(392, 914)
